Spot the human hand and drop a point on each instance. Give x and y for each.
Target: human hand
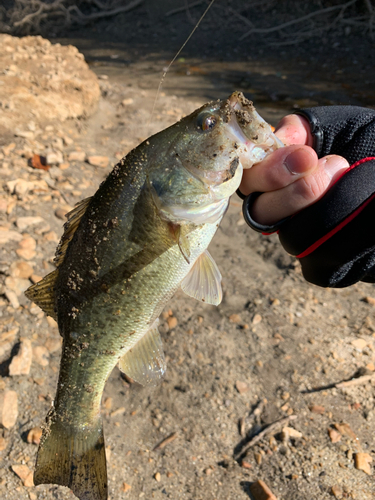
(292, 177)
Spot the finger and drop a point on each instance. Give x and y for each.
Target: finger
(274, 206)
(279, 169)
(294, 129)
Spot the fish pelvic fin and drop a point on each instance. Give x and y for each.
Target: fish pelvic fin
(74, 458)
(43, 293)
(203, 282)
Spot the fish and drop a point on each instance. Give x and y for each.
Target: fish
(123, 254)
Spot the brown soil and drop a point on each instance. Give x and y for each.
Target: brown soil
(275, 341)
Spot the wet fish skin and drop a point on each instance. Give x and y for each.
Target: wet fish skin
(123, 255)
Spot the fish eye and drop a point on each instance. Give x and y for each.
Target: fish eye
(206, 122)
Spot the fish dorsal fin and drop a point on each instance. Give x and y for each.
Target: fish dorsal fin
(43, 293)
(203, 282)
(145, 362)
(74, 218)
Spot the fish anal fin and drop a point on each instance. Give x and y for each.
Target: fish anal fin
(145, 362)
(74, 458)
(73, 219)
(43, 293)
(203, 282)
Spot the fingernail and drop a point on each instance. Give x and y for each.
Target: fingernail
(335, 164)
(299, 161)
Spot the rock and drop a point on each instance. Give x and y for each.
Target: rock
(20, 269)
(359, 344)
(17, 285)
(317, 409)
(53, 81)
(52, 323)
(34, 435)
(241, 387)
(289, 432)
(12, 298)
(256, 319)
(334, 435)
(362, 462)
(3, 444)
(127, 102)
(21, 363)
(7, 149)
(336, 491)
(24, 222)
(126, 487)
(260, 491)
(157, 476)
(172, 322)
(8, 409)
(6, 236)
(77, 156)
(235, 318)
(7, 341)
(345, 429)
(61, 213)
(24, 473)
(41, 355)
(53, 345)
(26, 248)
(370, 300)
(98, 161)
(54, 158)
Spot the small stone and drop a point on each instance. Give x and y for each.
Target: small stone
(246, 465)
(256, 319)
(26, 248)
(41, 355)
(98, 161)
(260, 491)
(32, 496)
(288, 433)
(208, 471)
(345, 429)
(12, 298)
(317, 409)
(258, 458)
(23, 222)
(20, 269)
(18, 285)
(60, 213)
(126, 487)
(3, 444)
(77, 156)
(52, 344)
(24, 473)
(334, 435)
(359, 344)
(241, 387)
(370, 366)
(370, 300)
(52, 323)
(235, 318)
(275, 302)
(8, 409)
(54, 158)
(21, 363)
(34, 435)
(126, 102)
(362, 462)
(336, 491)
(7, 149)
(7, 236)
(157, 476)
(172, 322)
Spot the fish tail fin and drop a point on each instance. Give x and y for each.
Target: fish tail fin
(74, 458)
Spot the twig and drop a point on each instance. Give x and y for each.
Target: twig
(299, 20)
(356, 381)
(165, 441)
(267, 430)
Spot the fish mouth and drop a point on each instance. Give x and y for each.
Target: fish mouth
(216, 177)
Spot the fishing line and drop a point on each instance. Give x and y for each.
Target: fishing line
(175, 57)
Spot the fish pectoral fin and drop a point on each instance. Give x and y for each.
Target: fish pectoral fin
(145, 362)
(43, 293)
(203, 282)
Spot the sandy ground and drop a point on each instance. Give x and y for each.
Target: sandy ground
(276, 347)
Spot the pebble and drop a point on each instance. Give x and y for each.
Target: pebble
(157, 476)
(41, 355)
(77, 156)
(34, 435)
(21, 363)
(126, 487)
(26, 248)
(54, 158)
(24, 473)
(346, 429)
(362, 462)
(359, 344)
(260, 491)
(60, 213)
(7, 236)
(334, 435)
(317, 409)
(256, 319)
(3, 444)
(289, 432)
(172, 322)
(235, 318)
(7, 340)
(336, 491)
(98, 161)
(20, 269)
(12, 298)
(241, 387)
(17, 285)
(23, 222)
(126, 102)
(370, 300)
(8, 409)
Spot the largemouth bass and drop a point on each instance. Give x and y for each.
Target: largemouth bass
(123, 254)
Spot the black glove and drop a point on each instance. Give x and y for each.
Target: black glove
(334, 238)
